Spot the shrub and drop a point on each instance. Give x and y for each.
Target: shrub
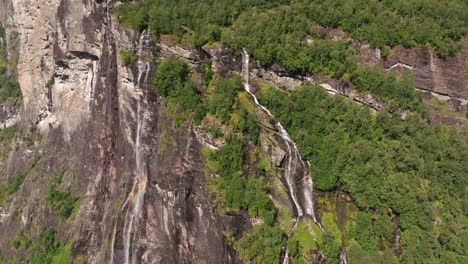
(62, 202)
(171, 81)
(222, 98)
(262, 245)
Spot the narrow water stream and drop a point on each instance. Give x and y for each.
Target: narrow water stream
(134, 203)
(296, 170)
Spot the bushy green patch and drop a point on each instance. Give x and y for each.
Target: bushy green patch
(383, 23)
(236, 191)
(208, 72)
(222, 97)
(261, 245)
(248, 125)
(171, 81)
(214, 131)
(182, 17)
(44, 248)
(9, 88)
(399, 93)
(6, 136)
(302, 242)
(128, 57)
(63, 202)
(62, 255)
(281, 32)
(12, 185)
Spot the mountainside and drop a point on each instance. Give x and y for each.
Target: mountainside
(233, 131)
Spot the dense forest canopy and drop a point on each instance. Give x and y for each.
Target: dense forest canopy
(288, 33)
(383, 23)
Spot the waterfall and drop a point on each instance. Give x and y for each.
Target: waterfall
(286, 258)
(135, 200)
(343, 256)
(295, 167)
(112, 242)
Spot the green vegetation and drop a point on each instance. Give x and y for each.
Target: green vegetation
(172, 81)
(280, 36)
(221, 99)
(214, 131)
(6, 136)
(261, 245)
(248, 125)
(286, 32)
(386, 163)
(208, 72)
(303, 241)
(64, 203)
(382, 23)
(128, 57)
(45, 248)
(186, 17)
(12, 184)
(236, 191)
(396, 22)
(399, 93)
(9, 88)
(390, 164)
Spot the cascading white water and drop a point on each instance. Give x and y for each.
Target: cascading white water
(286, 258)
(112, 253)
(343, 256)
(135, 200)
(294, 159)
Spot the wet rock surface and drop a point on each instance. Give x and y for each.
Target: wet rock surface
(83, 101)
(86, 105)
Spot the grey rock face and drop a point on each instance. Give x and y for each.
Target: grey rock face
(87, 106)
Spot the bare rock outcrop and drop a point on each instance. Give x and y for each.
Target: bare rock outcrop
(441, 75)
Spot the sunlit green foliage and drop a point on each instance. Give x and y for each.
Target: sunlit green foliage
(285, 36)
(262, 245)
(382, 23)
(236, 191)
(128, 57)
(172, 82)
(398, 92)
(221, 99)
(396, 22)
(203, 19)
(249, 125)
(276, 33)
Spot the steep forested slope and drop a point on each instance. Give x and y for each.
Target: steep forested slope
(242, 131)
(398, 169)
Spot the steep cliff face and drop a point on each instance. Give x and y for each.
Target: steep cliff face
(138, 176)
(444, 78)
(440, 75)
(100, 124)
